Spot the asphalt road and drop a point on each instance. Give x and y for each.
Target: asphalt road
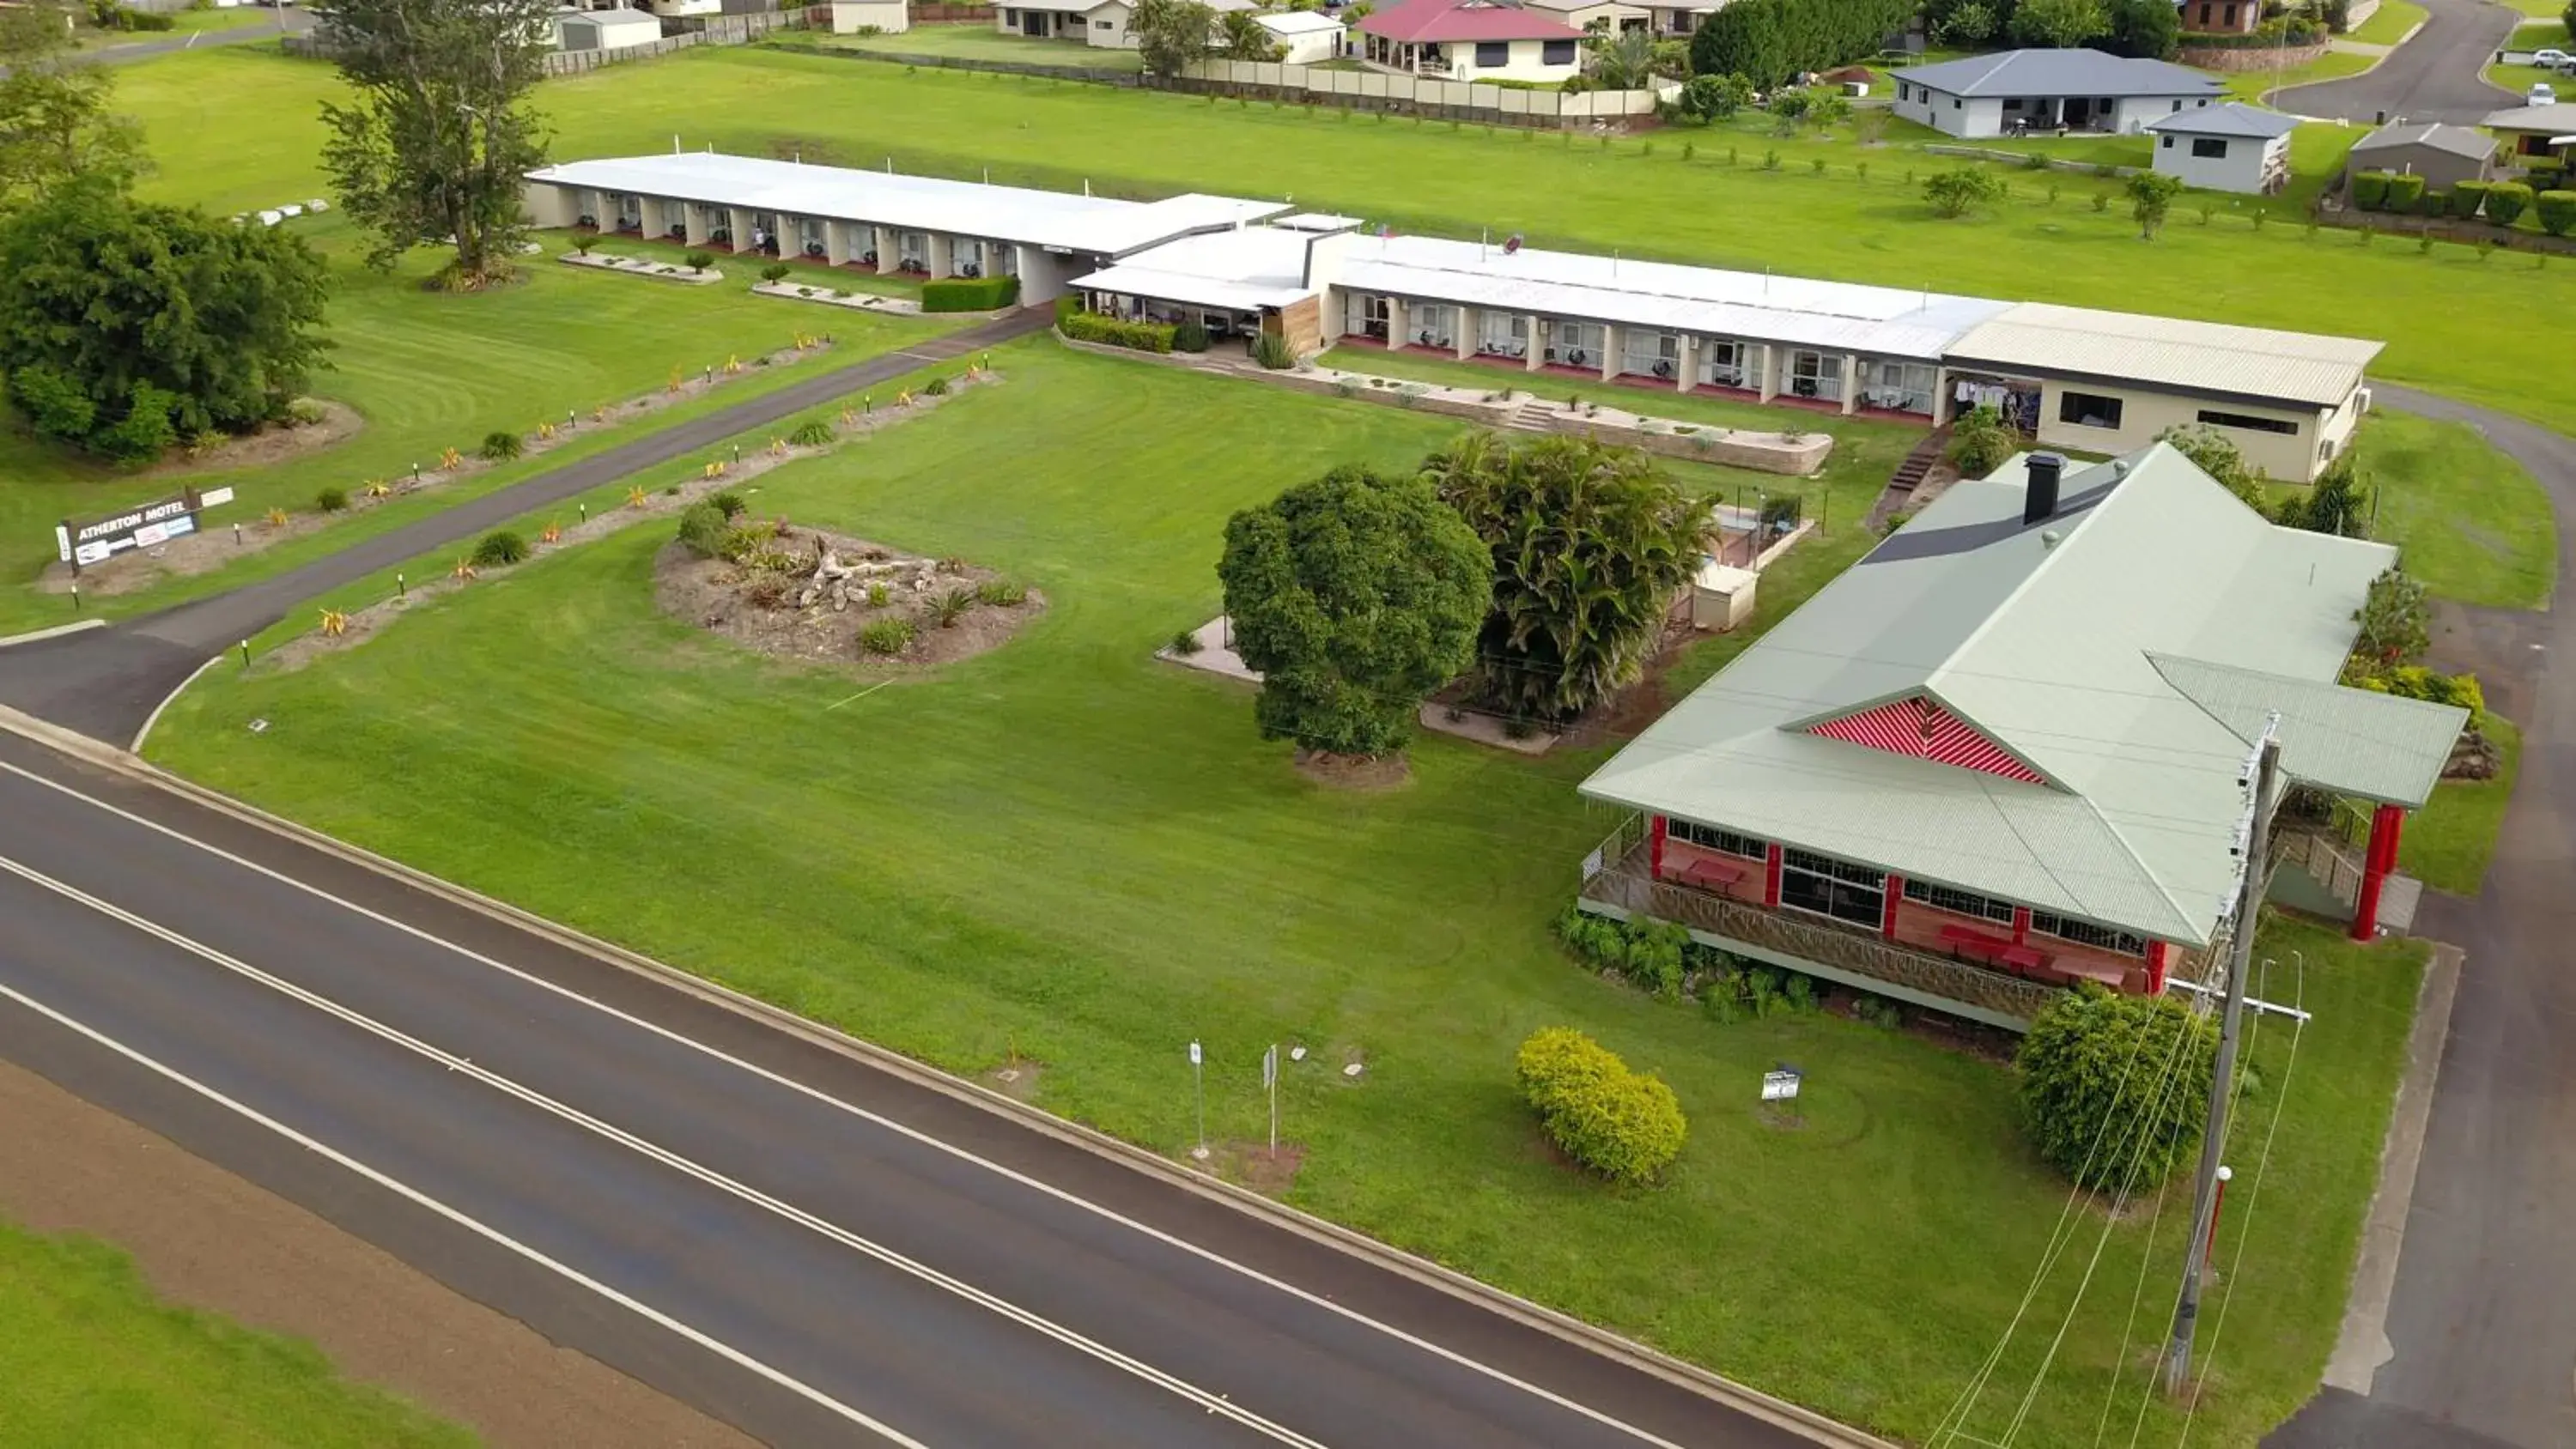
(813, 1249)
(2482, 1321)
(106, 683)
(2433, 77)
(285, 20)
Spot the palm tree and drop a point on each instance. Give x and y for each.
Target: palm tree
(1623, 60)
(1590, 542)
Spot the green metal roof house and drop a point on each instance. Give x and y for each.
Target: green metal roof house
(2005, 751)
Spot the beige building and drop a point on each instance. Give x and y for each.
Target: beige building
(886, 17)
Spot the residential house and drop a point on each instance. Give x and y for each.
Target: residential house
(1101, 23)
(615, 29)
(2443, 155)
(885, 17)
(2536, 136)
(1304, 37)
(1678, 20)
(2017, 91)
(2008, 750)
(2219, 17)
(1587, 15)
(2227, 147)
(1469, 40)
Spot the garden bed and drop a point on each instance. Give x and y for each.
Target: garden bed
(334, 422)
(828, 598)
(640, 267)
(856, 301)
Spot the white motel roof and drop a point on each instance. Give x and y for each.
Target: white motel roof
(2125, 649)
(1053, 219)
(1239, 271)
(2167, 352)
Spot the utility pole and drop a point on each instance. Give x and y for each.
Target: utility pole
(2256, 835)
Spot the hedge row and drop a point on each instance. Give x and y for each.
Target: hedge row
(969, 294)
(2504, 202)
(1092, 327)
(1622, 1124)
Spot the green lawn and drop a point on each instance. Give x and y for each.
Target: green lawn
(982, 42)
(1069, 850)
(2474, 524)
(187, 22)
(2254, 85)
(747, 270)
(2449, 842)
(2388, 24)
(91, 1357)
(2519, 79)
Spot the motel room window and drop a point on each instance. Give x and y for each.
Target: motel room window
(1958, 903)
(1836, 888)
(1730, 364)
(1434, 326)
(2207, 148)
(1367, 314)
(1502, 334)
(2248, 422)
(2085, 933)
(1558, 52)
(1816, 374)
(1654, 354)
(2088, 410)
(1491, 54)
(1709, 837)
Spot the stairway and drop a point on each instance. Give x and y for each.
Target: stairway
(1920, 461)
(1532, 416)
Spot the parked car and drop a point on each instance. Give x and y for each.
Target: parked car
(2541, 94)
(2550, 59)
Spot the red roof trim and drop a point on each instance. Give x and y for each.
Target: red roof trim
(1443, 20)
(1918, 727)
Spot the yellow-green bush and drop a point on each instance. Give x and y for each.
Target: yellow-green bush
(1622, 1124)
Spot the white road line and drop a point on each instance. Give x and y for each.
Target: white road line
(1205, 1255)
(1213, 1403)
(415, 1195)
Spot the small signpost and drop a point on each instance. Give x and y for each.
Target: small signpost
(1270, 1084)
(146, 525)
(1198, 1088)
(1780, 1084)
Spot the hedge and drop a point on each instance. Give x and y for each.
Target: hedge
(2405, 191)
(970, 294)
(2506, 202)
(1092, 327)
(2370, 189)
(1624, 1125)
(2557, 211)
(2466, 197)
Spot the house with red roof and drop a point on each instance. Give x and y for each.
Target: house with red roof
(1470, 40)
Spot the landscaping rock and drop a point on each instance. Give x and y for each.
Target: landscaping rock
(2473, 757)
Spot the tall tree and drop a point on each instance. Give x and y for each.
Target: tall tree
(2151, 195)
(124, 326)
(1245, 37)
(1170, 34)
(54, 118)
(2144, 29)
(439, 138)
(1590, 543)
(1355, 595)
(2059, 24)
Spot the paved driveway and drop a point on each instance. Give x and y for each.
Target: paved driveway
(2483, 1321)
(2433, 77)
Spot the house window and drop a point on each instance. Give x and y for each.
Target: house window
(1577, 344)
(2167, 142)
(2088, 410)
(1816, 375)
(1434, 326)
(1836, 888)
(1104, 25)
(2085, 933)
(1963, 903)
(1502, 334)
(1905, 90)
(1655, 354)
(1904, 387)
(1367, 315)
(1956, 103)
(1558, 52)
(1709, 837)
(2248, 422)
(2207, 148)
(2231, 15)
(1731, 364)
(2177, 107)
(1492, 54)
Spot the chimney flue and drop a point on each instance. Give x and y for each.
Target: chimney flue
(2041, 499)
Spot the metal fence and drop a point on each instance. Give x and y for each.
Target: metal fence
(706, 30)
(1420, 95)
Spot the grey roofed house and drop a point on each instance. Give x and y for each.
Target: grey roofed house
(2076, 72)
(2458, 140)
(2557, 120)
(2443, 155)
(2232, 119)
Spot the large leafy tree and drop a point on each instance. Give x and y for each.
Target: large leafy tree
(2059, 23)
(54, 117)
(2144, 29)
(1170, 34)
(124, 326)
(2113, 1088)
(1245, 37)
(1589, 544)
(1355, 595)
(438, 138)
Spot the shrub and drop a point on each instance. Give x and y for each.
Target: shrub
(2506, 202)
(306, 414)
(1653, 954)
(1186, 642)
(811, 435)
(1626, 1126)
(951, 606)
(888, 635)
(2113, 1087)
(2414, 681)
(1001, 593)
(1273, 352)
(2556, 210)
(1191, 335)
(500, 446)
(1962, 189)
(969, 294)
(146, 431)
(2405, 191)
(333, 499)
(703, 527)
(1084, 326)
(2370, 190)
(1980, 441)
(53, 401)
(729, 503)
(2466, 197)
(878, 595)
(499, 547)
(937, 387)
(775, 272)
(699, 261)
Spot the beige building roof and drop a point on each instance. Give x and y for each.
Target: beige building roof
(2168, 352)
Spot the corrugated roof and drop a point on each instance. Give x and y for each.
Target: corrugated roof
(964, 208)
(1442, 20)
(1880, 321)
(2044, 637)
(2351, 741)
(2060, 73)
(2232, 119)
(1260, 266)
(2191, 357)
(2458, 140)
(1297, 22)
(2559, 119)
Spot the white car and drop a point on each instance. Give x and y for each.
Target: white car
(2541, 94)
(2550, 59)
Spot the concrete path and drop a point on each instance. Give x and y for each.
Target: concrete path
(106, 682)
(2481, 1326)
(2432, 76)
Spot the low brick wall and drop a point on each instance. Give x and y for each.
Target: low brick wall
(2249, 57)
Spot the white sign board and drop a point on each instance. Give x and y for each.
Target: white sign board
(1194, 1054)
(213, 496)
(1779, 1086)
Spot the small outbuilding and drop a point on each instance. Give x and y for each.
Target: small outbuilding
(1305, 37)
(2018, 91)
(2536, 134)
(2229, 147)
(2443, 155)
(607, 29)
(881, 17)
